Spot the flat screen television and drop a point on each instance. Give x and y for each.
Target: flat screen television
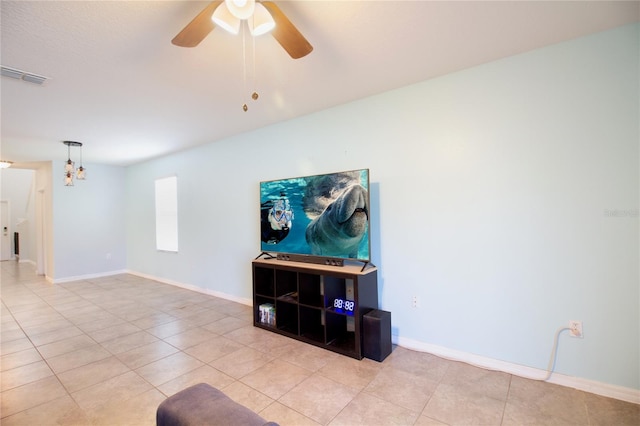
(321, 216)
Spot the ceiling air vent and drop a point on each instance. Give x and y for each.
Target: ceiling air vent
(23, 75)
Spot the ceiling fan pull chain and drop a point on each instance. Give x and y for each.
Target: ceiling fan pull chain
(254, 95)
(244, 67)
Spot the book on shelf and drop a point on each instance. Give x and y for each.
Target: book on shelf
(267, 314)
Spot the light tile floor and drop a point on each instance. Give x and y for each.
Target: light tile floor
(108, 351)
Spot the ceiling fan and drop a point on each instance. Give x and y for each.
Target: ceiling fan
(284, 32)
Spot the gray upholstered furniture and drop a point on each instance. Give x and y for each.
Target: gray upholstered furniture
(203, 405)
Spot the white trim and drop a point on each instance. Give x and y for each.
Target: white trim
(86, 277)
(232, 298)
(599, 388)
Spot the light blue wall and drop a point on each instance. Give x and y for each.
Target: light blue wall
(504, 196)
(89, 222)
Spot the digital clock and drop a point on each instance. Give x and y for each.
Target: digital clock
(342, 305)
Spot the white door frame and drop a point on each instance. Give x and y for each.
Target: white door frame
(41, 226)
(6, 252)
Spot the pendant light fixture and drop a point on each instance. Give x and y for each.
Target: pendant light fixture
(81, 172)
(68, 166)
(69, 171)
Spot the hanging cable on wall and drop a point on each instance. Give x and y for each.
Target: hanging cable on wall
(554, 353)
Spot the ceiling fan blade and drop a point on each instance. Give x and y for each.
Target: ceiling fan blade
(287, 34)
(197, 29)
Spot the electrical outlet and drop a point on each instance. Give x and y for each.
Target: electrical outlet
(415, 302)
(575, 329)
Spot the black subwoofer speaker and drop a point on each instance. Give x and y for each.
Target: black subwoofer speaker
(376, 328)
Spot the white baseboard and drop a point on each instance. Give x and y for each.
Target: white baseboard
(598, 388)
(232, 298)
(86, 277)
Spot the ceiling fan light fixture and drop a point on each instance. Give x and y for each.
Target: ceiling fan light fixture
(261, 22)
(241, 9)
(223, 18)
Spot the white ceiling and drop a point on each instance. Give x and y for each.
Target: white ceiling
(118, 85)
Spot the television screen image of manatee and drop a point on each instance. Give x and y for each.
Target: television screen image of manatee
(321, 215)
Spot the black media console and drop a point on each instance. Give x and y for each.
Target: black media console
(318, 304)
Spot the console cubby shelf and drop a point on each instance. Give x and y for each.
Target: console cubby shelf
(303, 296)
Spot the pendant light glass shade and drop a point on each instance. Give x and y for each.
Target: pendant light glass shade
(223, 18)
(261, 22)
(68, 179)
(241, 9)
(81, 173)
